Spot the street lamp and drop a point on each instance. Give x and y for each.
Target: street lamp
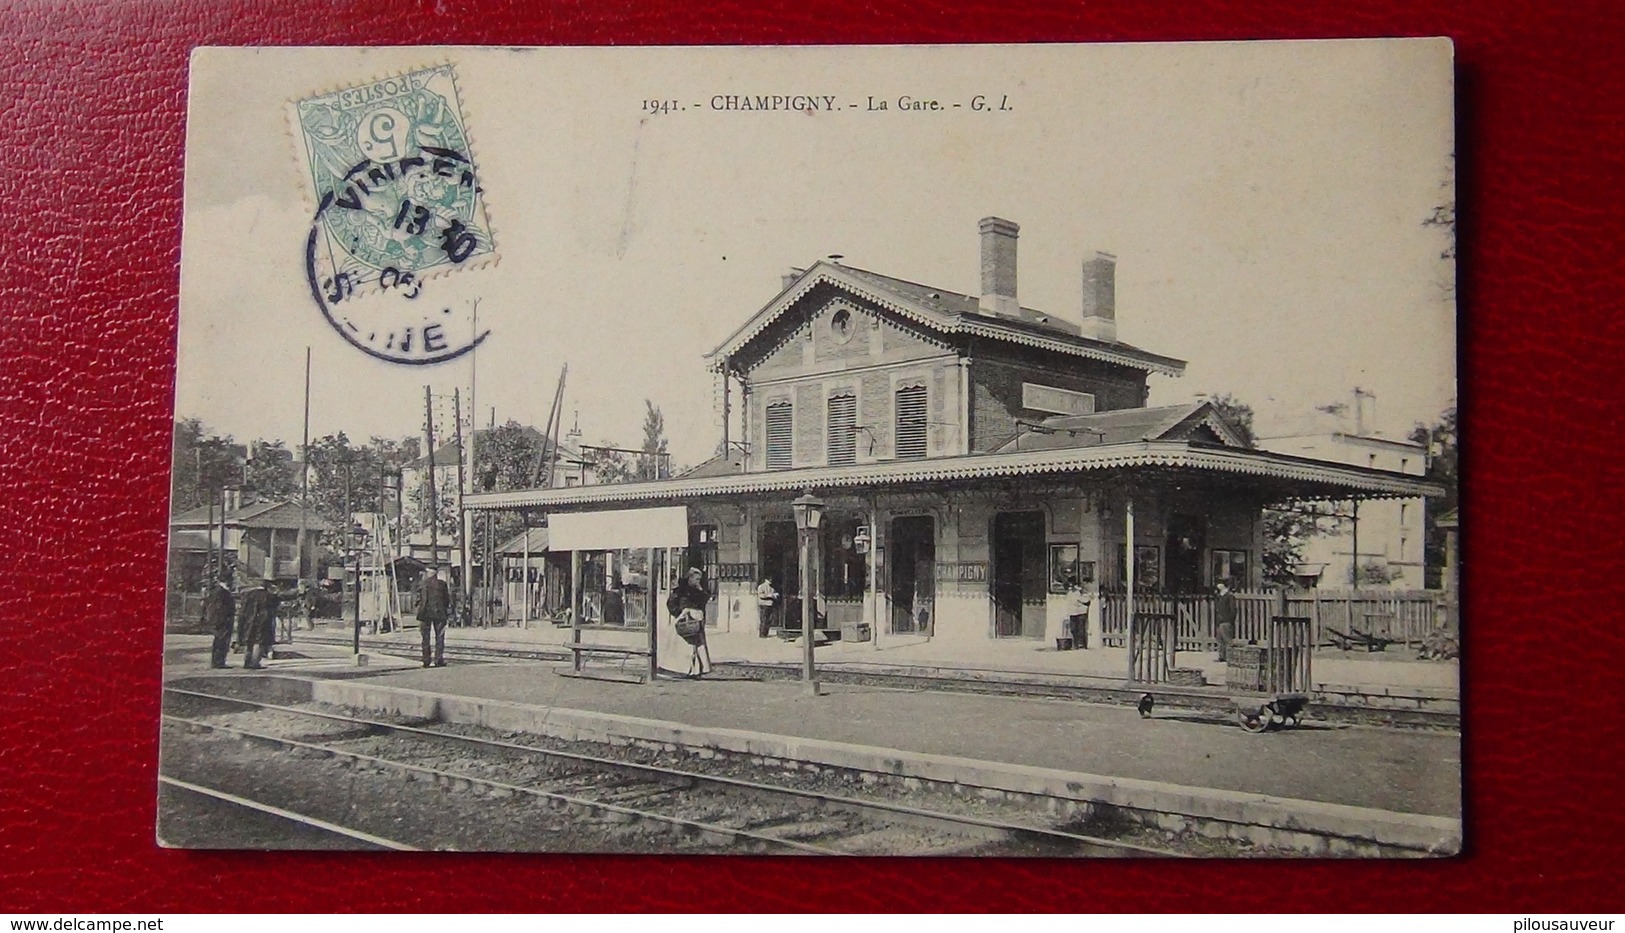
(809, 512)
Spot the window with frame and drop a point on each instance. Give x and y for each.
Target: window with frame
(1231, 567)
(780, 436)
(911, 422)
(842, 447)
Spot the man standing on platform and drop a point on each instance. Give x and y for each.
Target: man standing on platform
(433, 609)
(766, 596)
(219, 612)
(259, 623)
(1224, 615)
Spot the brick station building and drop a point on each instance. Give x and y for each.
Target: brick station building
(973, 454)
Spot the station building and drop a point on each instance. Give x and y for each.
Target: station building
(974, 455)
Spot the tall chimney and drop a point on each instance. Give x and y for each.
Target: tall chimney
(1100, 297)
(999, 267)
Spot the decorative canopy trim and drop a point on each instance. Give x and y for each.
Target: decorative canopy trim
(1320, 479)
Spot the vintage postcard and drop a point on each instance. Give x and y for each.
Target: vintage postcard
(1040, 450)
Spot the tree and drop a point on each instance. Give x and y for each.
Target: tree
(608, 466)
(653, 464)
(202, 463)
(1285, 532)
(1441, 441)
(271, 471)
(1239, 414)
(505, 458)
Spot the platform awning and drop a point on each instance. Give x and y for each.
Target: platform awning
(619, 528)
(1278, 476)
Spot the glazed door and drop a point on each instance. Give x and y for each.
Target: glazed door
(1187, 541)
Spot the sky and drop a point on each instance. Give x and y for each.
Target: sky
(1265, 202)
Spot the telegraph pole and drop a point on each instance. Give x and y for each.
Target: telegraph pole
(430, 497)
(462, 491)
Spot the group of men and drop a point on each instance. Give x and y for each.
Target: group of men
(254, 620)
(253, 617)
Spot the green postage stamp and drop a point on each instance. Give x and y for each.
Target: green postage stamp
(395, 183)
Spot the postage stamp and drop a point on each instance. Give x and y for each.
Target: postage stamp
(398, 198)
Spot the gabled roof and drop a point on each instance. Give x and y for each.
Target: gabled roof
(267, 514)
(947, 313)
(1122, 426)
(516, 544)
(716, 466)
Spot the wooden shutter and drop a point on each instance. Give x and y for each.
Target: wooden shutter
(843, 422)
(911, 423)
(780, 436)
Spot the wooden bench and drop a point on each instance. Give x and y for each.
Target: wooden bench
(580, 652)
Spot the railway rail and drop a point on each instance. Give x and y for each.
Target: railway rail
(724, 812)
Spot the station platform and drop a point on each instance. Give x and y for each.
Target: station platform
(1399, 771)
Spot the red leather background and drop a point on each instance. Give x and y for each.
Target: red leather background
(94, 96)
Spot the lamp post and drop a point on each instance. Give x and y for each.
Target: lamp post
(809, 512)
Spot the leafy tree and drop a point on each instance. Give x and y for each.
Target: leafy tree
(271, 471)
(653, 464)
(608, 466)
(202, 463)
(505, 458)
(1239, 414)
(1440, 439)
(1285, 532)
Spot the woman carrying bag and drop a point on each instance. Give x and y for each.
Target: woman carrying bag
(687, 606)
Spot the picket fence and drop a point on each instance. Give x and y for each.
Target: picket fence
(1405, 617)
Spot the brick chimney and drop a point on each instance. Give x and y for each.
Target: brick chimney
(1100, 297)
(999, 267)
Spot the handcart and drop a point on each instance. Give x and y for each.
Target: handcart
(1269, 683)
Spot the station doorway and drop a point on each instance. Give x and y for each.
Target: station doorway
(912, 577)
(1019, 575)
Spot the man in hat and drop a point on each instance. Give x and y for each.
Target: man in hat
(259, 622)
(1224, 615)
(434, 608)
(219, 612)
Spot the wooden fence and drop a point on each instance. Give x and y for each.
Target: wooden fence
(1404, 617)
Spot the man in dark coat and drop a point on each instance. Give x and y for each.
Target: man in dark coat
(259, 623)
(434, 607)
(1224, 615)
(219, 612)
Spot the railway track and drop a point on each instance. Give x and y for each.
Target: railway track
(717, 812)
(220, 812)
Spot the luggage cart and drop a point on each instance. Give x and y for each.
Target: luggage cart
(1270, 683)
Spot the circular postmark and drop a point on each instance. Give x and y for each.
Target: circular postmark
(398, 203)
(371, 285)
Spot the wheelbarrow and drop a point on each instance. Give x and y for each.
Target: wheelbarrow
(1270, 683)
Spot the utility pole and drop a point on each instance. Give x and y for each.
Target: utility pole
(304, 496)
(344, 594)
(430, 498)
(463, 516)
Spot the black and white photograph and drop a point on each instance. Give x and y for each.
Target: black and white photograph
(1015, 451)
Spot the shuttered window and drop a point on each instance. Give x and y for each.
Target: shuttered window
(843, 423)
(780, 436)
(911, 422)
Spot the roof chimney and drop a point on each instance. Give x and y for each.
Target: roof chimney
(999, 267)
(788, 277)
(1100, 297)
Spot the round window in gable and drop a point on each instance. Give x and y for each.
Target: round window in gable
(840, 324)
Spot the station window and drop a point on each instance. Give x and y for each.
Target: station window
(1230, 566)
(843, 427)
(780, 436)
(911, 423)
